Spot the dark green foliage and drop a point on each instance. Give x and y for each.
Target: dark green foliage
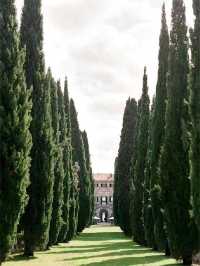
(86, 149)
(195, 111)
(78, 155)
(175, 155)
(92, 202)
(74, 205)
(73, 189)
(147, 209)
(15, 138)
(67, 110)
(32, 39)
(158, 127)
(66, 165)
(139, 169)
(89, 171)
(125, 153)
(56, 219)
(38, 212)
(132, 169)
(37, 216)
(115, 194)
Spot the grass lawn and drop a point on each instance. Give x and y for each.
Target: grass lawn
(97, 246)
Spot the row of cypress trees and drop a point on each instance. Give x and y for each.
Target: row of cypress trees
(157, 172)
(46, 185)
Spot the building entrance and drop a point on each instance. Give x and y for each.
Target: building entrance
(103, 216)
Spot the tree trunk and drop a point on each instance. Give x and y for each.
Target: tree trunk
(187, 261)
(28, 248)
(167, 249)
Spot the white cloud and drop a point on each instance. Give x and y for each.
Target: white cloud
(102, 46)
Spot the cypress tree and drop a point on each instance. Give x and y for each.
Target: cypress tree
(139, 171)
(158, 127)
(66, 181)
(132, 169)
(15, 138)
(73, 189)
(67, 109)
(38, 212)
(77, 195)
(125, 153)
(175, 155)
(89, 171)
(148, 212)
(195, 111)
(56, 219)
(78, 155)
(115, 194)
(92, 201)
(76, 190)
(73, 205)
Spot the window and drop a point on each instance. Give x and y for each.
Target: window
(111, 199)
(97, 199)
(97, 185)
(110, 185)
(103, 200)
(101, 185)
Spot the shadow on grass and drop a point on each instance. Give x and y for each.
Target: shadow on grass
(115, 248)
(124, 252)
(129, 246)
(121, 244)
(129, 261)
(118, 253)
(101, 236)
(174, 264)
(20, 258)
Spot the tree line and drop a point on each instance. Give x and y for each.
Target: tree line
(157, 170)
(46, 184)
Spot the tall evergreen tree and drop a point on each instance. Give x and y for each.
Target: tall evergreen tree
(175, 155)
(66, 165)
(132, 169)
(195, 111)
(38, 212)
(78, 155)
(73, 205)
(158, 127)
(73, 189)
(139, 171)
(15, 138)
(56, 219)
(115, 194)
(147, 209)
(125, 153)
(67, 108)
(92, 201)
(89, 171)
(76, 191)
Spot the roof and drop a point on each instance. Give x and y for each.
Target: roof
(103, 177)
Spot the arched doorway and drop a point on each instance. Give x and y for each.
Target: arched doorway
(103, 215)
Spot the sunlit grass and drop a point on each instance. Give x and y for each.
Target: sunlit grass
(97, 246)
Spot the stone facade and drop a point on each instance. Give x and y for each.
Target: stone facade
(104, 184)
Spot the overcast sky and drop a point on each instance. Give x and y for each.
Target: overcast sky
(102, 47)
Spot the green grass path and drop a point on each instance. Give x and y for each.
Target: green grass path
(97, 246)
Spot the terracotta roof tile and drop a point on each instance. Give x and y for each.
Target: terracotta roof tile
(103, 177)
